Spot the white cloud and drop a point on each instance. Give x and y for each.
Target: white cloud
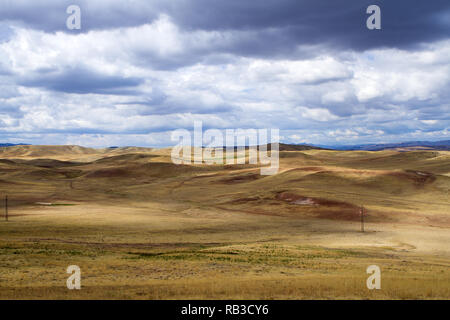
(402, 75)
(377, 94)
(317, 114)
(429, 122)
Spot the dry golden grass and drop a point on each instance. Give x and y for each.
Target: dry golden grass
(142, 228)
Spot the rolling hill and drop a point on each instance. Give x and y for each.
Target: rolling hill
(140, 226)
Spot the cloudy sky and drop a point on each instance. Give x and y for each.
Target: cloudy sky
(139, 69)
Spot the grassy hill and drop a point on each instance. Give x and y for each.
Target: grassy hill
(224, 231)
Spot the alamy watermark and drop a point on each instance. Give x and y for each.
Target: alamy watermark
(240, 146)
(374, 20)
(73, 21)
(373, 281)
(74, 281)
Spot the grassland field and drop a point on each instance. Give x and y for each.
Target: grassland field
(141, 227)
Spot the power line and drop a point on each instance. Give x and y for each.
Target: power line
(6, 208)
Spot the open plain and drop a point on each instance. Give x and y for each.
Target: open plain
(141, 227)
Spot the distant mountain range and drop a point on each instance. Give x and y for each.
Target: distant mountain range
(12, 144)
(411, 145)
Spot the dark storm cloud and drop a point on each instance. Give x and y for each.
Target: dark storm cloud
(340, 22)
(262, 28)
(81, 80)
(51, 16)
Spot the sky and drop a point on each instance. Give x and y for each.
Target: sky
(137, 70)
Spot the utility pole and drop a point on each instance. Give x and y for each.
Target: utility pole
(361, 211)
(6, 208)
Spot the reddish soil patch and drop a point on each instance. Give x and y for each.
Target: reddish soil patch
(439, 221)
(108, 173)
(326, 209)
(295, 198)
(241, 179)
(419, 178)
(338, 204)
(342, 214)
